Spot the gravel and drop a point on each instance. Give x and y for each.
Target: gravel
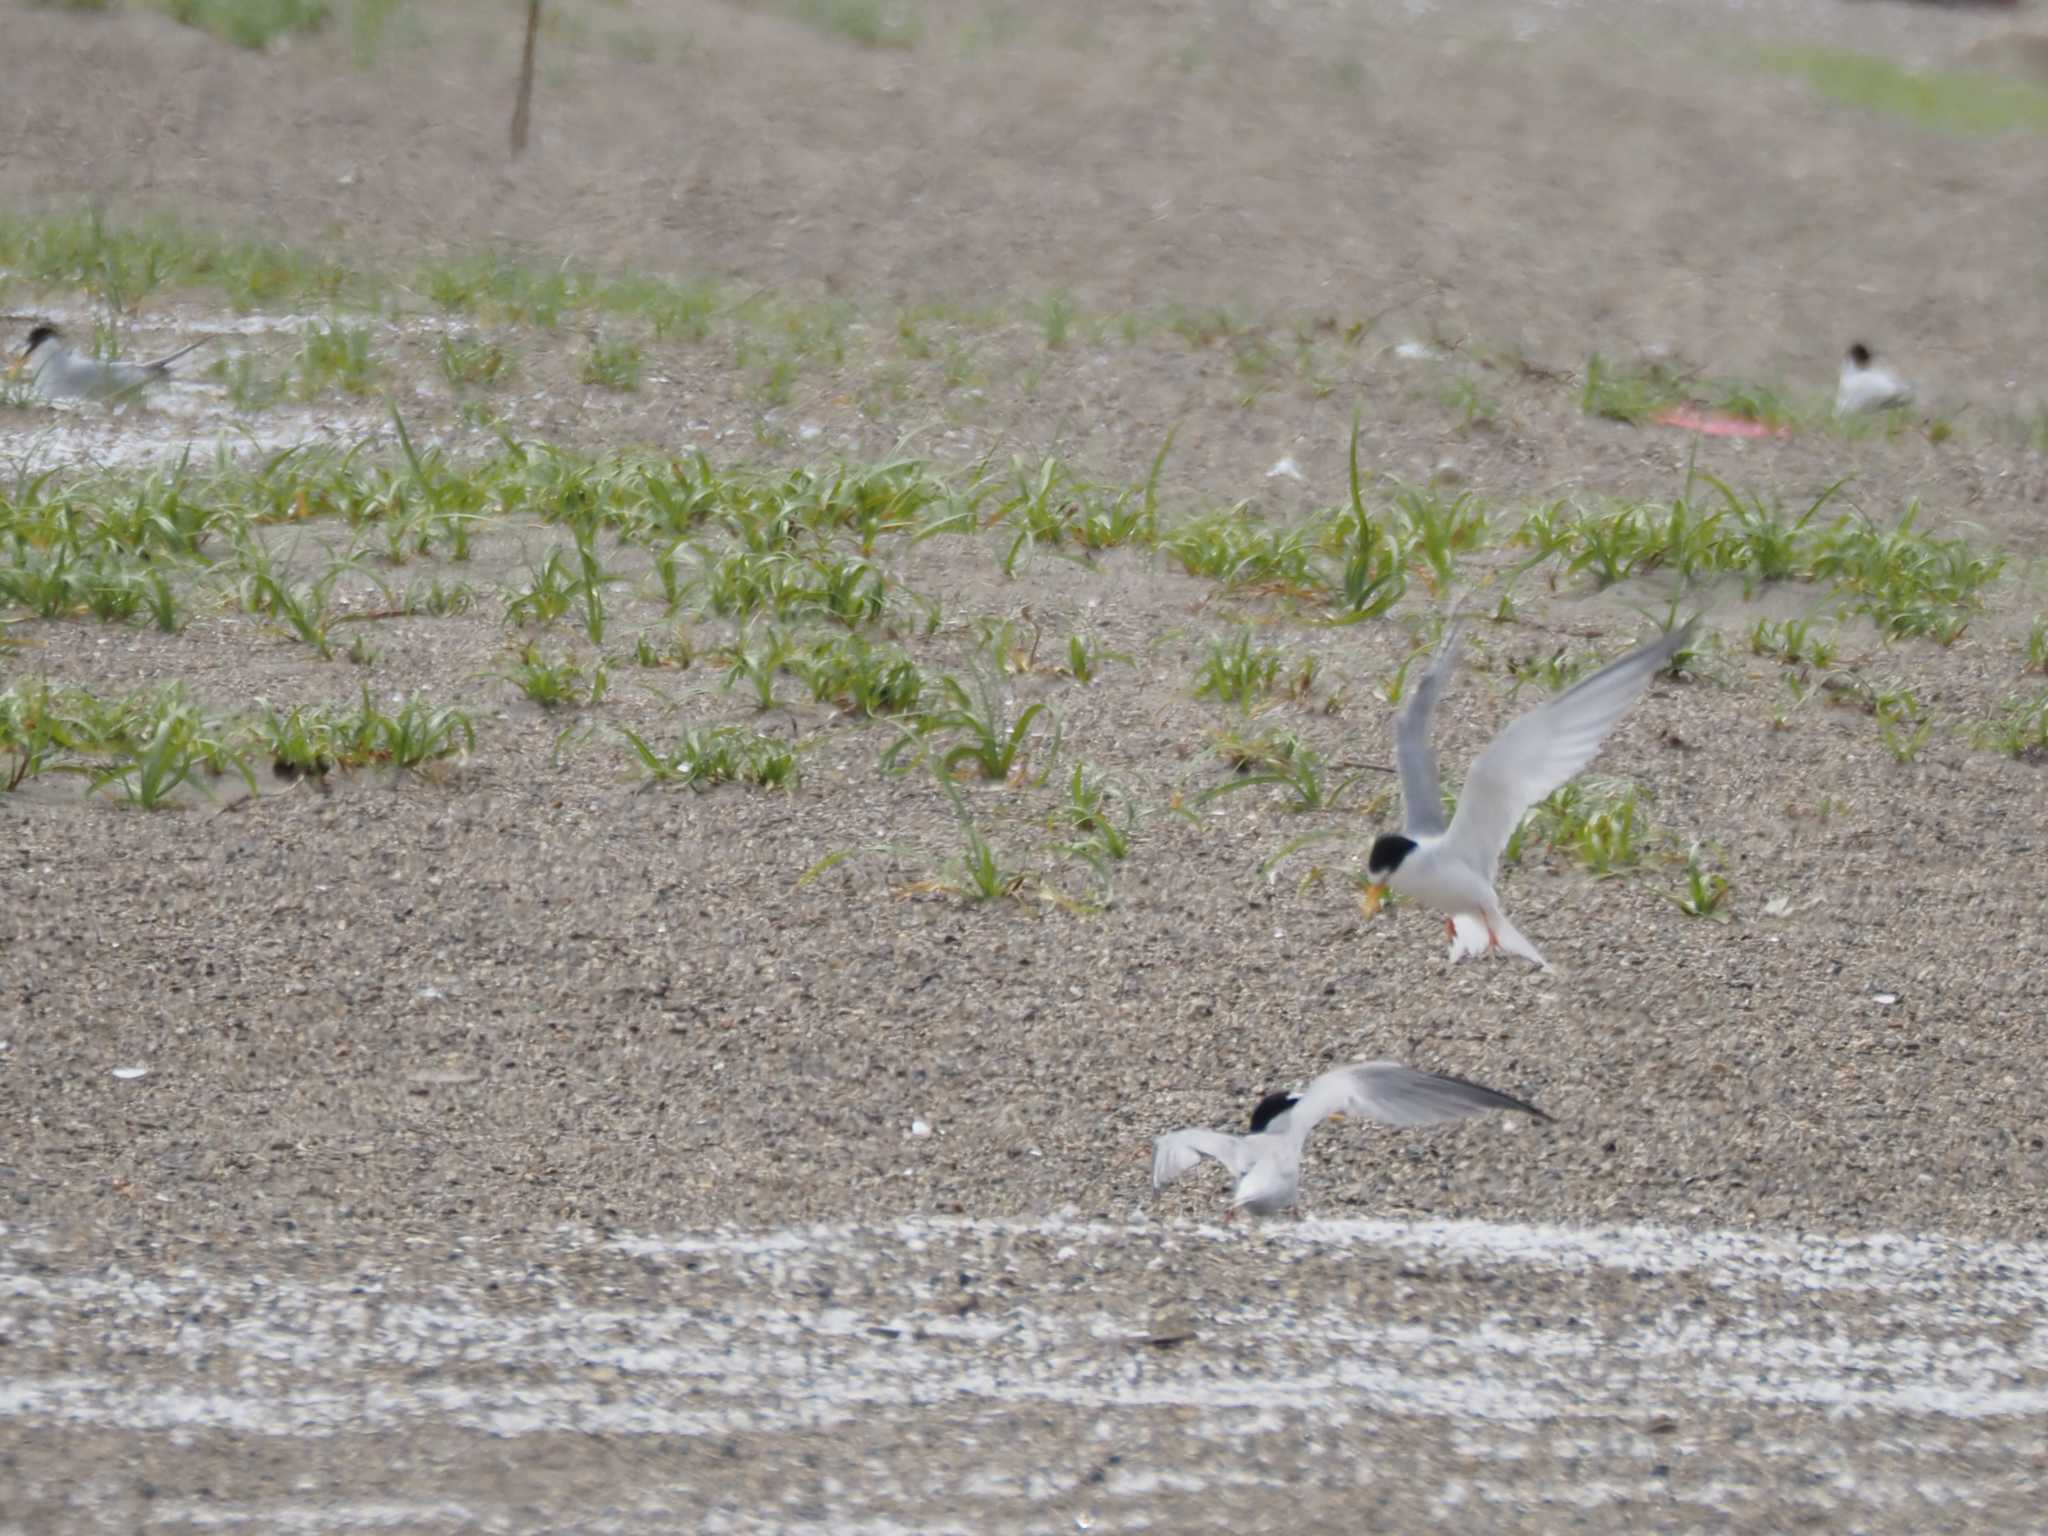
(518, 1149)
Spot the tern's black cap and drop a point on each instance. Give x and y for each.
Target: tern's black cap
(1388, 850)
(1271, 1108)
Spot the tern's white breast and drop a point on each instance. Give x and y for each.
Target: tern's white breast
(1442, 882)
(1866, 389)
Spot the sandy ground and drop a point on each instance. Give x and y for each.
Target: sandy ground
(1000, 1376)
(520, 1151)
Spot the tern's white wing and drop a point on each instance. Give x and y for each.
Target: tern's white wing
(1866, 389)
(63, 374)
(1543, 749)
(1392, 1094)
(1422, 795)
(117, 376)
(1177, 1151)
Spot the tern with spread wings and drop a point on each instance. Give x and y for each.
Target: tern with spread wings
(1449, 867)
(1267, 1162)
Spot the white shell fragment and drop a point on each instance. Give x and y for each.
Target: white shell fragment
(129, 1074)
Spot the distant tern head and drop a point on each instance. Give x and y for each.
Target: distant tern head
(1271, 1108)
(36, 338)
(1388, 850)
(1859, 355)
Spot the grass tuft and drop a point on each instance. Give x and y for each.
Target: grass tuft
(183, 747)
(860, 678)
(470, 361)
(1792, 641)
(871, 23)
(120, 265)
(995, 735)
(1944, 103)
(250, 23)
(336, 356)
(2020, 732)
(1598, 822)
(613, 363)
(1236, 672)
(708, 755)
(1705, 892)
(1626, 397)
(553, 683)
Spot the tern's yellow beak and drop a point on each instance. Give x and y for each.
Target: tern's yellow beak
(20, 363)
(1375, 896)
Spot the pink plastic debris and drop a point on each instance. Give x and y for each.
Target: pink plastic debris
(1717, 423)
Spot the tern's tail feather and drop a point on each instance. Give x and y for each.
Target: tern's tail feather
(1512, 941)
(1471, 941)
(163, 364)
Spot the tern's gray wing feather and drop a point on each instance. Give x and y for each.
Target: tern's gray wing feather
(1544, 748)
(1422, 794)
(1177, 1151)
(62, 374)
(120, 375)
(163, 364)
(68, 375)
(1393, 1094)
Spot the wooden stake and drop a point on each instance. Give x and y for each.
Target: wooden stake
(522, 109)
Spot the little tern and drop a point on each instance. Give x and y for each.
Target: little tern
(1267, 1162)
(1450, 867)
(58, 373)
(1867, 385)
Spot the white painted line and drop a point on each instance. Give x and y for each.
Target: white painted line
(1928, 1327)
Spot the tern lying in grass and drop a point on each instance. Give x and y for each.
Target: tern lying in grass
(1450, 867)
(1267, 1163)
(1867, 385)
(58, 373)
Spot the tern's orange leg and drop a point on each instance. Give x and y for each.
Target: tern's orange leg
(1450, 928)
